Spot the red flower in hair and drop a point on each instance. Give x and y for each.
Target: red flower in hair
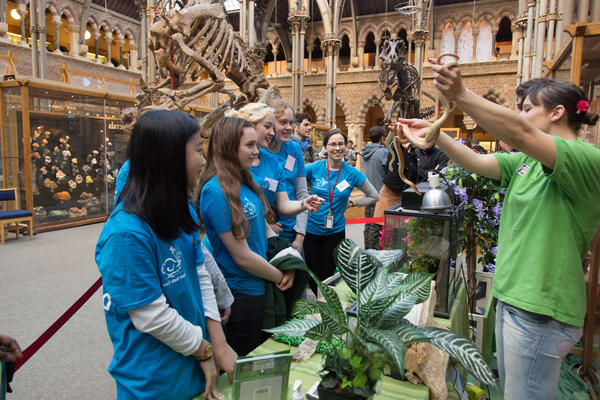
(582, 106)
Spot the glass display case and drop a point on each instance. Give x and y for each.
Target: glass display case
(62, 147)
(430, 242)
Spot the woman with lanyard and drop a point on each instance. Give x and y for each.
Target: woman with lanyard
(148, 254)
(266, 170)
(234, 210)
(333, 180)
(549, 216)
(291, 161)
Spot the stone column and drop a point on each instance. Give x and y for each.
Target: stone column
(121, 42)
(540, 39)
(22, 10)
(275, 58)
(332, 43)
(74, 40)
(377, 43)
(150, 62)
(108, 38)
(596, 11)
(297, 20)
(494, 44)
(96, 35)
(514, 48)
(323, 52)
(456, 36)
(420, 37)
(3, 24)
(309, 49)
(527, 48)
(583, 9)
(133, 56)
(243, 20)
(475, 32)
(250, 26)
(551, 18)
(361, 55)
(566, 10)
(410, 39)
(353, 58)
(57, 22)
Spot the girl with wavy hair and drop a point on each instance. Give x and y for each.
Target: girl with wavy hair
(234, 211)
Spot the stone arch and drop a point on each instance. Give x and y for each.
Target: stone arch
(118, 30)
(365, 30)
(53, 8)
(494, 96)
(319, 111)
(104, 26)
(504, 12)
(401, 25)
(344, 108)
(70, 14)
(371, 101)
(348, 32)
(93, 23)
(485, 17)
(130, 35)
(384, 26)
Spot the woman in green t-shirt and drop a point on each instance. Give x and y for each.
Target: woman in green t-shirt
(549, 216)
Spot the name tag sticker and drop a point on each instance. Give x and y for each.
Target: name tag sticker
(522, 170)
(289, 163)
(343, 185)
(270, 184)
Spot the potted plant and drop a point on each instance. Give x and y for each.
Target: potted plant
(376, 339)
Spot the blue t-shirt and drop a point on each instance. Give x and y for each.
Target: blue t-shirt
(137, 267)
(349, 178)
(121, 180)
(291, 162)
(268, 175)
(216, 215)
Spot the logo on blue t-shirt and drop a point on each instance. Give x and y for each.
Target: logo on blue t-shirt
(249, 208)
(320, 183)
(170, 268)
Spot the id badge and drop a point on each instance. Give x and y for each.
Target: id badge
(329, 221)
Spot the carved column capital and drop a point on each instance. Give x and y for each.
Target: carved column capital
(456, 34)
(420, 36)
(332, 43)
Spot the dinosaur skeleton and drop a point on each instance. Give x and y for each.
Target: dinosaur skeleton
(195, 48)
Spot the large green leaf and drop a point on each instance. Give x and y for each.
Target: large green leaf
(371, 310)
(417, 283)
(297, 327)
(329, 317)
(304, 307)
(398, 310)
(333, 308)
(463, 351)
(320, 332)
(376, 288)
(392, 344)
(356, 266)
(386, 257)
(409, 333)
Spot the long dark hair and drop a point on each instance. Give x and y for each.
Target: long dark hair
(157, 186)
(223, 161)
(551, 94)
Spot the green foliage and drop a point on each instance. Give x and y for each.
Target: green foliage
(376, 339)
(483, 205)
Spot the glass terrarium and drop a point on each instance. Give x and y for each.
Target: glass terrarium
(430, 241)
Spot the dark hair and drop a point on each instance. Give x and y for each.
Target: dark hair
(566, 94)
(523, 89)
(332, 132)
(376, 133)
(299, 117)
(223, 161)
(157, 186)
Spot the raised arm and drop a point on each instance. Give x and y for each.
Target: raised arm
(371, 196)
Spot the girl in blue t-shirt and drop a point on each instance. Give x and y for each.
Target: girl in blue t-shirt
(148, 254)
(291, 162)
(333, 180)
(233, 210)
(265, 170)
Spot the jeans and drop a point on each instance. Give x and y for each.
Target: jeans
(371, 232)
(530, 348)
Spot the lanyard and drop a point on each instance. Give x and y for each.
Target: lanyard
(330, 192)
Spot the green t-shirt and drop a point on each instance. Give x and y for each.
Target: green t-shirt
(548, 219)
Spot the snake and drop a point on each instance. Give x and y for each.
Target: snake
(431, 135)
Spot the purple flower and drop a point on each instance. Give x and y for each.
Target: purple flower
(461, 193)
(461, 141)
(494, 250)
(497, 212)
(478, 206)
(490, 268)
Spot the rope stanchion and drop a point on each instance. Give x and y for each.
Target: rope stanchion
(39, 342)
(364, 220)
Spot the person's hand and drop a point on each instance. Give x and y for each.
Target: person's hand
(298, 242)
(10, 350)
(210, 374)
(287, 281)
(413, 131)
(447, 80)
(586, 262)
(225, 314)
(276, 227)
(313, 202)
(225, 358)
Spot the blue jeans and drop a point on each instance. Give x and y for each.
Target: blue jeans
(530, 348)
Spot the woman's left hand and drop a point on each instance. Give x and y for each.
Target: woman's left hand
(287, 281)
(447, 80)
(414, 130)
(298, 242)
(313, 202)
(210, 374)
(225, 358)
(225, 314)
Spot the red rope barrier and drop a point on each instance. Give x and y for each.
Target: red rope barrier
(39, 342)
(364, 220)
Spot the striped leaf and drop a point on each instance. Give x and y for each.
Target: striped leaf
(386, 257)
(336, 312)
(392, 344)
(417, 283)
(371, 310)
(463, 351)
(398, 310)
(409, 333)
(338, 325)
(320, 332)
(297, 327)
(305, 307)
(376, 288)
(356, 266)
